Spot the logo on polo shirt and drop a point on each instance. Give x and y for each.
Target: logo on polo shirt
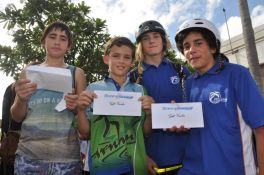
(174, 79)
(215, 97)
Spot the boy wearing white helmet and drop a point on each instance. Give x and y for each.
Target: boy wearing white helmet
(231, 115)
(163, 80)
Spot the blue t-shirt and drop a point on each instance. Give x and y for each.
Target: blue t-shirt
(232, 105)
(163, 84)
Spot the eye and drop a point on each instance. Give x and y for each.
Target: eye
(144, 39)
(115, 55)
(128, 57)
(156, 36)
(52, 36)
(186, 46)
(198, 43)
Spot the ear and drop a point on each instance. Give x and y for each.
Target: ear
(69, 47)
(213, 50)
(106, 59)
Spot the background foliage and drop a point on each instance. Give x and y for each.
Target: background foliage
(27, 24)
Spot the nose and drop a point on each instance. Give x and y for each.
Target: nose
(192, 48)
(151, 39)
(57, 41)
(121, 59)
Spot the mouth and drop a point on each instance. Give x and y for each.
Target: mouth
(193, 58)
(151, 47)
(56, 49)
(121, 67)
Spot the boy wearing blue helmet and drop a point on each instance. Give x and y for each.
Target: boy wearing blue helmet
(164, 81)
(232, 107)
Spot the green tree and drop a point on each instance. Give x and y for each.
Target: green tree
(173, 57)
(28, 23)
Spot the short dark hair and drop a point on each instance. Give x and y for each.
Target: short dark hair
(119, 41)
(58, 25)
(206, 34)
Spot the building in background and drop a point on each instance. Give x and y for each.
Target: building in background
(236, 52)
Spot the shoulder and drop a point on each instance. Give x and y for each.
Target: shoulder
(137, 87)
(79, 74)
(236, 69)
(75, 70)
(98, 85)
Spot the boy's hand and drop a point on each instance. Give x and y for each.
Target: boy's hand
(151, 165)
(146, 102)
(85, 99)
(176, 129)
(71, 100)
(24, 89)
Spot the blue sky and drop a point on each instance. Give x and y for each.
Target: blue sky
(124, 16)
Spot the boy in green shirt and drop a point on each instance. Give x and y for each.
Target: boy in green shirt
(117, 143)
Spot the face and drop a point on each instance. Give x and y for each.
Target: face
(198, 53)
(119, 61)
(56, 43)
(152, 44)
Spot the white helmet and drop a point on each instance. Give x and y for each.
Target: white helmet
(198, 23)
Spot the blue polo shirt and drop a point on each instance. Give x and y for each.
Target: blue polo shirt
(162, 83)
(232, 106)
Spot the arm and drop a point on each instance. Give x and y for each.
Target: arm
(85, 99)
(80, 84)
(24, 89)
(83, 125)
(5, 109)
(146, 102)
(259, 135)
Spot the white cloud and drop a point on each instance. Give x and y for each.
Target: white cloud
(211, 5)
(124, 16)
(235, 26)
(18, 3)
(257, 15)
(6, 39)
(177, 11)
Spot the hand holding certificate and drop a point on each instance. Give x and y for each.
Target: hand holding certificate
(117, 103)
(50, 78)
(167, 115)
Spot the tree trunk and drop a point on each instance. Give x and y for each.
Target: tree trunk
(249, 40)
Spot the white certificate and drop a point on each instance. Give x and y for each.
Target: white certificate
(117, 103)
(50, 78)
(167, 115)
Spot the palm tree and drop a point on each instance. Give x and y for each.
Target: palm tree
(249, 40)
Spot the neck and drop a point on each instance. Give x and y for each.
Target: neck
(119, 79)
(203, 70)
(54, 62)
(153, 59)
